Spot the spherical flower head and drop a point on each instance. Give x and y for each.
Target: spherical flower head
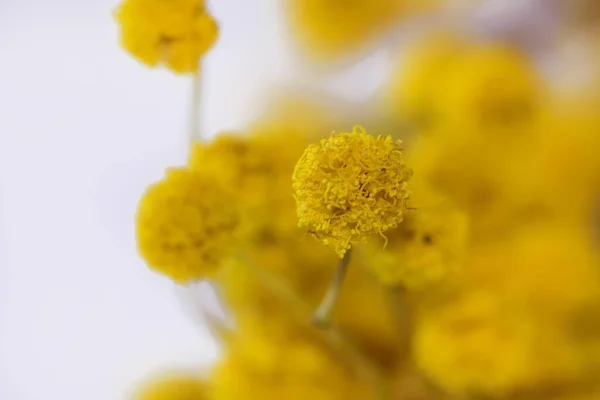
(176, 33)
(173, 387)
(350, 187)
(186, 225)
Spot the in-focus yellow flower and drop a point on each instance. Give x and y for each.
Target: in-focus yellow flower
(330, 29)
(349, 187)
(176, 33)
(431, 243)
(186, 225)
(174, 387)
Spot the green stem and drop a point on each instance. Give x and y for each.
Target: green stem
(322, 317)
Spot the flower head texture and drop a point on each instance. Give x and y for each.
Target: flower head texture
(175, 33)
(173, 387)
(350, 187)
(186, 225)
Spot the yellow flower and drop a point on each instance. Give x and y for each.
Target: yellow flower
(349, 187)
(520, 315)
(174, 387)
(330, 29)
(422, 74)
(186, 225)
(489, 87)
(176, 33)
(363, 311)
(286, 364)
(257, 169)
(431, 243)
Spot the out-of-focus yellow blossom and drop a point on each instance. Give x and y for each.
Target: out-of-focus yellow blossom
(431, 243)
(284, 364)
(489, 87)
(349, 187)
(566, 163)
(176, 33)
(326, 30)
(363, 312)
(174, 387)
(186, 225)
(421, 74)
(484, 173)
(509, 323)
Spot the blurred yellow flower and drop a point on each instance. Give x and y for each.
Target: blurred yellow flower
(174, 387)
(186, 225)
(508, 323)
(421, 74)
(349, 187)
(327, 30)
(284, 364)
(431, 243)
(488, 87)
(176, 33)
(363, 312)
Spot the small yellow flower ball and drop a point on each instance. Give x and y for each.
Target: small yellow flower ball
(186, 225)
(174, 387)
(349, 187)
(175, 33)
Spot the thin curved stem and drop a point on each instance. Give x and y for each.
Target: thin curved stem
(195, 108)
(322, 317)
